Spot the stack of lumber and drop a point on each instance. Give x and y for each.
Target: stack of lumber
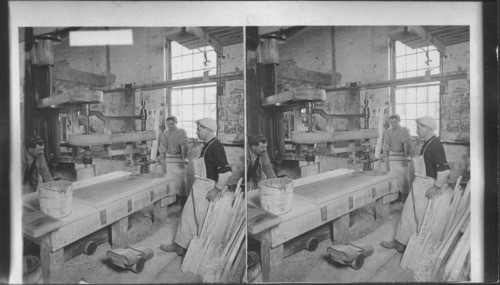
(218, 253)
(440, 250)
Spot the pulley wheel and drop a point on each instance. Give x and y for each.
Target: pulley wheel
(358, 263)
(90, 248)
(139, 266)
(312, 244)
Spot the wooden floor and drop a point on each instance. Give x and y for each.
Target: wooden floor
(305, 266)
(164, 267)
(382, 266)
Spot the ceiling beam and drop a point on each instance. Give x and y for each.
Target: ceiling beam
(421, 32)
(201, 34)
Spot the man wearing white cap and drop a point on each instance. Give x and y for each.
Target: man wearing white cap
(431, 175)
(212, 172)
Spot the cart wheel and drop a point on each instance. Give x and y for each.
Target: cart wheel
(90, 248)
(358, 263)
(312, 244)
(139, 266)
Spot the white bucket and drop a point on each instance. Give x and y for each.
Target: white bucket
(276, 195)
(55, 198)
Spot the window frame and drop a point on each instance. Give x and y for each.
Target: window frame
(392, 73)
(189, 86)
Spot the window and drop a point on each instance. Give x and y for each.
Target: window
(416, 100)
(194, 101)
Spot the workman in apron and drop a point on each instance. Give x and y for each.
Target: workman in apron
(258, 165)
(34, 165)
(212, 171)
(431, 176)
(395, 151)
(173, 154)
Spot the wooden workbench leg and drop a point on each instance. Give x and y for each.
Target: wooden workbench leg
(51, 262)
(340, 228)
(160, 210)
(381, 210)
(119, 233)
(271, 262)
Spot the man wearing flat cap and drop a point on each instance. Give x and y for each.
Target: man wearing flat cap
(212, 172)
(431, 176)
(173, 153)
(34, 165)
(258, 164)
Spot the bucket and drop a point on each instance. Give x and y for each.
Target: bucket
(276, 195)
(55, 198)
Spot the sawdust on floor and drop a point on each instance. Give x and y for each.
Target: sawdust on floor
(162, 268)
(316, 266)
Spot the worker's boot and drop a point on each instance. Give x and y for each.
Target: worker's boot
(174, 247)
(394, 244)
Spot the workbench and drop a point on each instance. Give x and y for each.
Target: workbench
(325, 198)
(98, 202)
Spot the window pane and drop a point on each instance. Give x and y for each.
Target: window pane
(435, 71)
(421, 110)
(198, 61)
(199, 110)
(422, 94)
(433, 93)
(198, 96)
(187, 112)
(176, 96)
(187, 96)
(411, 96)
(176, 112)
(210, 111)
(400, 95)
(411, 63)
(176, 76)
(198, 73)
(400, 48)
(187, 63)
(211, 94)
(433, 110)
(434, 57)
(421, 60)
(176, 64)
(411, 74)
(411, 111)
(400, 108)
(212, 72)
(212, 56)
(400, 75)
(176, 49)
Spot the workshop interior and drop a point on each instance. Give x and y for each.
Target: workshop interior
(315, 106)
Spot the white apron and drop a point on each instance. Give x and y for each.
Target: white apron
(416, 203)
(195, 209)
(178, 174)
(399, 166)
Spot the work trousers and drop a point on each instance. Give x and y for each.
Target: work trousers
(414, 209)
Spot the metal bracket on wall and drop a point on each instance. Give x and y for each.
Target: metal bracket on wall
(351, 203)
(152, 194)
